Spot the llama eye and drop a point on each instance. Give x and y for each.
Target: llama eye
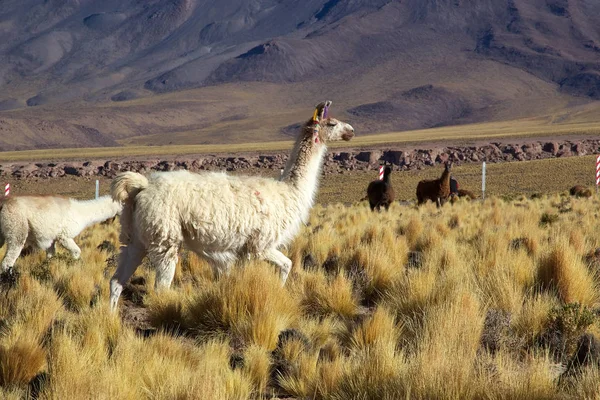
(332, 123)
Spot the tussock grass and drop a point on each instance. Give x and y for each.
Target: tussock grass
(76, 288)
(167, 310)
(445, 360)
(323, 297)
(249, 307)
(378, 373)
(504, 377)
(397, 304)
(380, 330)
(563, 270)
(257, 364)
(585, 386)
(20, 362)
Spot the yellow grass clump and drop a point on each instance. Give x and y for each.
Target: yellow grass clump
(563, 270)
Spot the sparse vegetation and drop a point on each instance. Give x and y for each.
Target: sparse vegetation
(494, 308)
(511, 181)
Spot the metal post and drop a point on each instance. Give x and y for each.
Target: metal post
(97, 188)
(483, 181)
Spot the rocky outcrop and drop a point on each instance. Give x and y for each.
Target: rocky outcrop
(335, 162)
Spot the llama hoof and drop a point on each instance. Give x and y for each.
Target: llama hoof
(283, 279)
(9, 277)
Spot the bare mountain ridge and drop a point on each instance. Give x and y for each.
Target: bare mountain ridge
(391, 65)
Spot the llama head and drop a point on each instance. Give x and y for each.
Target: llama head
(448, 165)
(329, 129)
(387, 170)
(114, 207)
(118, 207)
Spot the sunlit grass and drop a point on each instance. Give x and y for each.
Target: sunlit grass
(378, 305)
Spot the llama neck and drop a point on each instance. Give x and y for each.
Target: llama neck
(386, 178)
(89, 212)
(445, 178)
(303, 169)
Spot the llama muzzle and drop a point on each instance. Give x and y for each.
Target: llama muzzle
(349, 134)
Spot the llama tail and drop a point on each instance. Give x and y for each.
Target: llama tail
(127, 185)
(124, 188)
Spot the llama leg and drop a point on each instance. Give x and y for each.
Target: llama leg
(221, 262)
(129, 259)
(15, 239)
(69, 244)
(13, 250)
(279, 259)
(51, 251)
(165, 262)
(48, 245)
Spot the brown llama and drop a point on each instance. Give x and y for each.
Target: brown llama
(466, 193)
(580, 191)
(381, 193)
(436, 190)
(462, 193)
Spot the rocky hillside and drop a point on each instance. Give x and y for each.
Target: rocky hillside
(391, 64)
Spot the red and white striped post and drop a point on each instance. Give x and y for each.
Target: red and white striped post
(597, 172)
(381, 173)
(7, 190)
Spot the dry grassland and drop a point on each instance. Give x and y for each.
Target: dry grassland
(503, 179)
(506, 180)
(471, 301)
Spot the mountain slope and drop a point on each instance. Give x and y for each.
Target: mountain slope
(388, 65)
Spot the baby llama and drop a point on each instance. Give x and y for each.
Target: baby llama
(437, 190)
(221, 217)
(466, 193)
(381, 192)
(41, 221)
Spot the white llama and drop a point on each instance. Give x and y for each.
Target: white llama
(221, 217)
(41, 221)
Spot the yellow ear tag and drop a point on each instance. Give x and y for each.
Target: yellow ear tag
(315, 115)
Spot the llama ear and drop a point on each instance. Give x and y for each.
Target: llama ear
(322, 108)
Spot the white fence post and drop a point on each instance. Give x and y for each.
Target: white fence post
(97, 188)
(381, 172)
(483, 181)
